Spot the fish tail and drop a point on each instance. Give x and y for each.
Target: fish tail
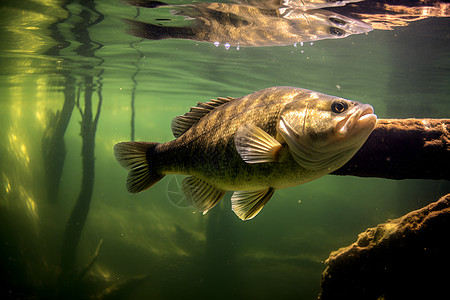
(136, 157)
(158, 32)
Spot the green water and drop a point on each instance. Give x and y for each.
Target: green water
(53, 53)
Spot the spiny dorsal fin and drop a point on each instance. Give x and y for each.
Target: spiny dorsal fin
(181, 124)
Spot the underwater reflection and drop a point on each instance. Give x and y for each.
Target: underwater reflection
(387, 14)
(234, 25)
(301, 4)
(272, 4)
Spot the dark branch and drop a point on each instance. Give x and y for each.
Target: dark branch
(404, 149)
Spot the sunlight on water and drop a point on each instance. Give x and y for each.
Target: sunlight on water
(7, 183)
(30, 203)
(19, 149)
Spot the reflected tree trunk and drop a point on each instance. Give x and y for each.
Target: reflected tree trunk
(134, 45)
(53, 145)
(77, 219)
(70, 276)
(135, 84)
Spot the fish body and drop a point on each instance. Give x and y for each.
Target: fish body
(241, 25)
(271, 139)
(265, 4)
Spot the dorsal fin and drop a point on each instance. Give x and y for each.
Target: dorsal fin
(181, 124)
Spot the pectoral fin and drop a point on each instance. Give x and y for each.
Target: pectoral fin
(246, 205)
(254, 145)
(200, 194)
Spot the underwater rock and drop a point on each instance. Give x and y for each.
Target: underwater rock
(404, 149)
(405, 258)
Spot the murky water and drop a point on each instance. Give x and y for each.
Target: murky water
(74, 82)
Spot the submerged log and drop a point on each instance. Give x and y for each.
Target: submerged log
(404, 149)
(405, 258)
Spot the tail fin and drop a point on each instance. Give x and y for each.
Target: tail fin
(134, 156)
(159, 32)
(145, 3)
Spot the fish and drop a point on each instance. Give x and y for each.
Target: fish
(265, 4)
(253, 145)
(301, 4)
(234, 25)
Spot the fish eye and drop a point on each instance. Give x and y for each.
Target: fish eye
(339, 106)
(337, 21)
(336, 31)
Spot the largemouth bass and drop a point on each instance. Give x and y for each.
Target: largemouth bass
(234, 25)
(272, 139)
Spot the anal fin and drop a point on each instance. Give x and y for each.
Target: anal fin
(201, 194)
(247, 204)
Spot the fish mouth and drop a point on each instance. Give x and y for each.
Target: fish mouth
(362, 118)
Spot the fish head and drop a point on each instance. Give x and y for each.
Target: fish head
(323, 24)
(324, 132)
(315, 4)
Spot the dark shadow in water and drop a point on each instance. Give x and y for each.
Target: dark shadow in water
(220, 256)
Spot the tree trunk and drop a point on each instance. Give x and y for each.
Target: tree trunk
(404, 149)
